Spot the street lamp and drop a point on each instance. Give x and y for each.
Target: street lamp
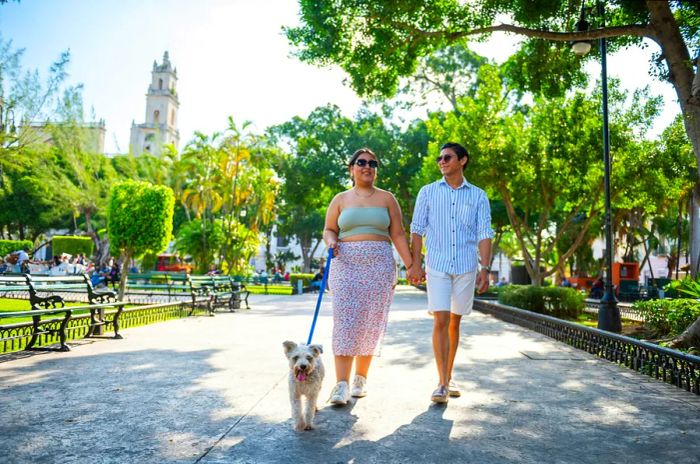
(608, 313)
(7, 123)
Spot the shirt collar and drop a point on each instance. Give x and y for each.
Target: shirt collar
(465, 184)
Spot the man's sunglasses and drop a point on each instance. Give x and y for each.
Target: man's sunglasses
(445, 158)
(363, 162)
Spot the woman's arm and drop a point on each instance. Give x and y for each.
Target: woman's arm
(330, 229)
(397, 232)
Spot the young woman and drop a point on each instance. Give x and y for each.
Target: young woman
(361, 225)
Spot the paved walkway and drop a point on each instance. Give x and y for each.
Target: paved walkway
(213, 390)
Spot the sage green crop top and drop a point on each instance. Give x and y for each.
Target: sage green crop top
(363, 220)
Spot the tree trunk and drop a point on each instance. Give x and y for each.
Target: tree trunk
(686, 82)
(126, 257)
(694, 214)
(689, 338)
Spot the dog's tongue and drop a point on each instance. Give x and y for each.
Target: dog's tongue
(301, 376)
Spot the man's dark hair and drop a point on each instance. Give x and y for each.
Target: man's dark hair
(459, 150)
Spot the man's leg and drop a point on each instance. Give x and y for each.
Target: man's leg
(441, 345)
(455, 319)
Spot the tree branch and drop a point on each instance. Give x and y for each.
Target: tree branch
(637, 30)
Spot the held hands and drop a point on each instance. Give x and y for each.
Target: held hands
(415, 274)
(482, 281)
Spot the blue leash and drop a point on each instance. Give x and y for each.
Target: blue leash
(320, 293)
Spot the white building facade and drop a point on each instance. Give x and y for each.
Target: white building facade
(160, 126)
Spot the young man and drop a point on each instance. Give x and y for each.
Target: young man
(455, 218)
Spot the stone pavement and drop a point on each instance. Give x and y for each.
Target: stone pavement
(213, 390)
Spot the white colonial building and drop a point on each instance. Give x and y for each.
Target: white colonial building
(162, 104)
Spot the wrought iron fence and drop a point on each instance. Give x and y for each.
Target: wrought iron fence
(14, 337)
(626, 309)
(671, 366)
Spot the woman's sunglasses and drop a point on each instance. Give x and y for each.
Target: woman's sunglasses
(363, 162)
(445, 158)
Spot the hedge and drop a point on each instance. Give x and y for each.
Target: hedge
(72, 245)
(668, 317)
(559, 302)
(8, 246)
(305, 279)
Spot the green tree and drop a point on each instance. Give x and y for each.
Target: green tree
(189, 242)
(140, 220)
(378, 42)
(523, 155)
(315, 168)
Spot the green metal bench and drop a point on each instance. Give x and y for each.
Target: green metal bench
(11, 333)
(225, 292)
(175, 286)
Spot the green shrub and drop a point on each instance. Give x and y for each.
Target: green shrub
(72, 245)
(402, 281)
(668, 317)
(148, 262)
(554, 301)
(8, 246)
(305, 279)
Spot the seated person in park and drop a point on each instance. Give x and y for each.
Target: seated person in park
(3, 266)
(565, 282)
(317, 281)
(99, 277)
(23, 261)
(286, 276)
(213, 270)
(502, 282)
(598, 289)
(114, 275)
(59, 266)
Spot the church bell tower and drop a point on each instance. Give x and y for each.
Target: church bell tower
(162, 104)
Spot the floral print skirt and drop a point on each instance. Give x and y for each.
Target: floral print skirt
(362, 280)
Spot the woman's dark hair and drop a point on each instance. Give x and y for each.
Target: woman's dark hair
(459, 150)
(359, 152)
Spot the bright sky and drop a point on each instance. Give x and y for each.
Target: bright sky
(231, 59)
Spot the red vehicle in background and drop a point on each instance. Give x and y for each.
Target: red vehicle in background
(172, 263)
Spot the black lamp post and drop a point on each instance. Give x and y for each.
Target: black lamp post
(609, 313)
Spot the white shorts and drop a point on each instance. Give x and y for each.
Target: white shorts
(450, 292)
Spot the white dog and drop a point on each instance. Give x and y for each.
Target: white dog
(305, 378)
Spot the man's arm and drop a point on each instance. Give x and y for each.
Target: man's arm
(419, 225)
(485, 233)
(482, 278)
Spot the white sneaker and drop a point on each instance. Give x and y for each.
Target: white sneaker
(340, 394)
(359, 387)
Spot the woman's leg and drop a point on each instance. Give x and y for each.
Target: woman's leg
(362, 365)
(343, 366)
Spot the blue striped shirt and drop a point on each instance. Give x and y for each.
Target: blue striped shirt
(453, 221)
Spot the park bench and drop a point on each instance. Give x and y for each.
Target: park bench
(175, 286)
(13, 333)
(148, 287)
(51, 292)
(225, 292)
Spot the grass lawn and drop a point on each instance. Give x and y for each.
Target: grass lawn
(630, 328)
(12, 304)
(271, 289)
